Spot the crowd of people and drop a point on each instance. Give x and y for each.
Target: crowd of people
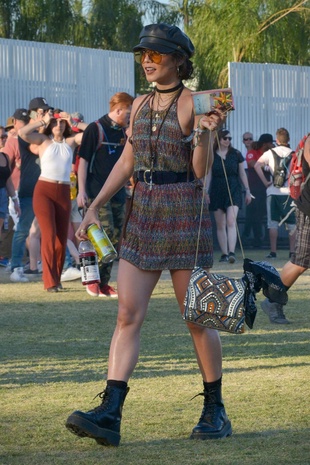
(234, 180)
(157, 141)
(52, 164)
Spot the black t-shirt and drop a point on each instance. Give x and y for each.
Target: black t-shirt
(303, 203)
(29, 171)
(5, 172)
(102, 161)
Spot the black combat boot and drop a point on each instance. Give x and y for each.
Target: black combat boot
(213, 423)
(104, 422)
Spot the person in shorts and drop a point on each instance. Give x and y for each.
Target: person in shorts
(300, 259)
(278, 198)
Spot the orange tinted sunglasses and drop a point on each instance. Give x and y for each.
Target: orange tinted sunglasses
(155, 57)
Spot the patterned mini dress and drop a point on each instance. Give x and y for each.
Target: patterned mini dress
(162, 229)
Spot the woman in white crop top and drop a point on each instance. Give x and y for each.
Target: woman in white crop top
(51, 198)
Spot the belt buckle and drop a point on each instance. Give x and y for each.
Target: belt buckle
(144, 177)
(150, 184)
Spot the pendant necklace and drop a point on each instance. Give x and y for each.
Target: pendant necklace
(162, 105)
(155, 126)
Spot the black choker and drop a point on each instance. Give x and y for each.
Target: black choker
(169, 91)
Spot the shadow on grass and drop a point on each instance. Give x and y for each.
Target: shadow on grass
(268, 447)
(47, 341)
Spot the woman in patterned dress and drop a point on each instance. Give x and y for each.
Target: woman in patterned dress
(162, 228)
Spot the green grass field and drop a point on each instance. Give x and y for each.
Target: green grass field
(54, 351)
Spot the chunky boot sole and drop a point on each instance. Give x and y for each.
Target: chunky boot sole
(223, 433)
(86, 429)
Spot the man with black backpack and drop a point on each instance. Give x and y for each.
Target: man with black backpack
(279, 202)
(102, 145)
(300, 260)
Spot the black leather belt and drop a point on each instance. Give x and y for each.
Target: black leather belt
(164, 177)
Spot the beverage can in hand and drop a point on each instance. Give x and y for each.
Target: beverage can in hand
(102, 244)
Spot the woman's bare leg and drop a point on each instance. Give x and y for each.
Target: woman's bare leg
(207, 343)
(134, 288)
(220, 220)
(231, 215)
(34, 244)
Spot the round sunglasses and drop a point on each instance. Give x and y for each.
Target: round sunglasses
(154, 56)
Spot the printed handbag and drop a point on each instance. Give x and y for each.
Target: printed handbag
(215, 301)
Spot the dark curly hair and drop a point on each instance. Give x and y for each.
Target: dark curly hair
(67, 131)
(186, 69)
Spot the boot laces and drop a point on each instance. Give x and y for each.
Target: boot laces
(105, 401)
(209, 405)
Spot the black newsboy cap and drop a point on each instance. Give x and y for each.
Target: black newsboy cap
(164, 38)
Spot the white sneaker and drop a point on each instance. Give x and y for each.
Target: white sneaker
(8, 267)
(70, 274)
(18, 276)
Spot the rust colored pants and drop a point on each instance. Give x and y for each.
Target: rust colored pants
(52, 207)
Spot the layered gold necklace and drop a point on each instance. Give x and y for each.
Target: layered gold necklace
(161, 104)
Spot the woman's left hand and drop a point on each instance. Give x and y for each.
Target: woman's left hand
(212, 120)
(66, 116)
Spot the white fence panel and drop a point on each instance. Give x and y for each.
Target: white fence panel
(70, 78)
(267, 97)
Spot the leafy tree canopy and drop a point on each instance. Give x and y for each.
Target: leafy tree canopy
(235, 30)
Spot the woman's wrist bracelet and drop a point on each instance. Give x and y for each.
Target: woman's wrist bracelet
(43, 123)
(14, 197)
(93, 208)
(199, 129)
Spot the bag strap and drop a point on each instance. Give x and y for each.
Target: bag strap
(202, 198)
(99, 143)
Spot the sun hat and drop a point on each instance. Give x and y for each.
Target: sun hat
(9, 123)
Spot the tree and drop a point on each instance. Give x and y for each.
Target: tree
(7, 13)
(248, 31)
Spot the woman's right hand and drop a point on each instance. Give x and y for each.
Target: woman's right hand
(90, 217)
(47, 117)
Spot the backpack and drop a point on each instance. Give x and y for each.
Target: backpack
(296, 179)
(281, 168)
